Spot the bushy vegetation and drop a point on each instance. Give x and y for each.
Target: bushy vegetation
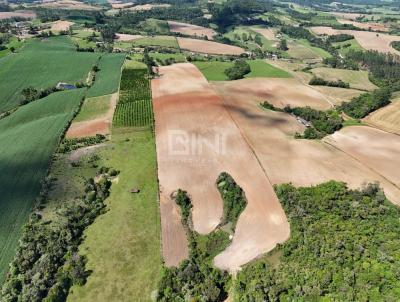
(47, 262)
(233, 197)
(340, 38)
(322, 122)
(322, 82)
(184, 203)
(344, 246)
(195, 279)
(238, 70)
(366, 103)
(28, 137)
(70, 144)
(396, 45)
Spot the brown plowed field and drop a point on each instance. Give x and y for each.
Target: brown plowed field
(375, 148)
(191, 30)
(268, 33)
(366, 25)
(210, 47)
(301, 162)
(368, 40)
(196, 141)
(22, 14)
(278, 92)
(101, 125)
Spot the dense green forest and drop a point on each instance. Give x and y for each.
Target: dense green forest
(366, 103)
(47, 262)
(196, 279)
(238, 70)
(344, 246)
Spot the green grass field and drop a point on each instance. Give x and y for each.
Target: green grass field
(107, 79)
(163, 41)
(123, 245)
(154, 26)
(93, 108)
(358, 79)
(346, 46)
(42, 64)
(319, 51)
(28, 139)
(215, 70)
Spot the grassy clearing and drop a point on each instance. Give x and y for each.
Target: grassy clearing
(123, 245)
(346, 46)
(42, 64)
(261, 69)
(215, 70)
(28, 139)
(357, 79)
(93, 108)
(155, 26)
(319, 51)
(107, 79)
(133, 64)
(163, 41)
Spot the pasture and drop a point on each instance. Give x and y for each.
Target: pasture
(42, 64)
(108, 77)
(123, 245)
(28, 139)
(215, 70)
(163, 41)
(93, 108)
(357, 79)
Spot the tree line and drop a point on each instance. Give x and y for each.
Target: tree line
(344, 246)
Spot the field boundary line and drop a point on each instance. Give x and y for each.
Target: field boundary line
(361, 163)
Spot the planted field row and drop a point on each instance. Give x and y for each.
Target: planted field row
(133, 114)
(135, 86)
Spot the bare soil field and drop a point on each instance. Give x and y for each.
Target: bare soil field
(126, 37)
(191, 30)
(386, 118)
(119, 4)
(196, 141)
(301, 162)
(357, 79)
(347, 16)
(100, 125)
(335, 95)
(210, 47)
(278, 92)
(368, 40)
(67, 4)
(366, 25)
(376, 149)
(268, 33)
(60, 25)
(19, 13)
(148, 7)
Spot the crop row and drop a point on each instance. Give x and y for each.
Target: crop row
(135, 85)
(133, 114)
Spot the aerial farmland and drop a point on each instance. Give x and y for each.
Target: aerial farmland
(199, 150)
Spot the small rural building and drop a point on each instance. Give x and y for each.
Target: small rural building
(65, 86)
